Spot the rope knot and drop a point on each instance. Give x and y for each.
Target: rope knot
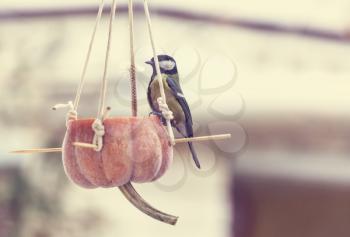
(72, 114)
(99, 130)
(164, 108)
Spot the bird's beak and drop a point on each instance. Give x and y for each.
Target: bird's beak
(149, 62)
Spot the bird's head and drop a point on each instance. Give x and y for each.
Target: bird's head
(167, 64)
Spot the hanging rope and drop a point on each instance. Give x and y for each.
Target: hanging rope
(97, 125)
(72, 113)
(87, 59)
(103, 89)
(166, 112)
(159, 75)
(132, 61)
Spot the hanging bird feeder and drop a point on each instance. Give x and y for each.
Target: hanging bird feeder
(113, 152)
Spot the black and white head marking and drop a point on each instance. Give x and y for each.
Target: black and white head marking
(167, 65)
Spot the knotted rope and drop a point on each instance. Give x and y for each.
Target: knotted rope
(73, 107)
(164, 108)
(99, 131)
(159, 75)
(71, 114)
(87, 59)
(97, 125)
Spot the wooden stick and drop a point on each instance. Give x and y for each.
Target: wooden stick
(204, 138)
(37, 150)
(92, 146)
(84, 145)
(179, 140)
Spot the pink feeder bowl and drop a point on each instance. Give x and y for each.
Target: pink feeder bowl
(135, 149)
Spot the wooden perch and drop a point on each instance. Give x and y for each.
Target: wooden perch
(92, 146)
(204, 138)
(177, 141)
(37, 150)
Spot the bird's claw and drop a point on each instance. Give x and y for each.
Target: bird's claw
(159, 115)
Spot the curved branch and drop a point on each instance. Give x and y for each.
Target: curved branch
(130, 193)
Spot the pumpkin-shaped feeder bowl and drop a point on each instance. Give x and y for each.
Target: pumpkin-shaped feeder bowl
(135, 149)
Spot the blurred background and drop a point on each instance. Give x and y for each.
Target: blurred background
(274, 74)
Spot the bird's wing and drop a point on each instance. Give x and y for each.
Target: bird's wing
(149, 96)
(177, 92)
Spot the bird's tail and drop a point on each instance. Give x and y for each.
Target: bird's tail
(194, 155)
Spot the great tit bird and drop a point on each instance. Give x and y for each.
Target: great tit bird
(175, 98)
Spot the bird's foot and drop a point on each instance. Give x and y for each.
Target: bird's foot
(159, 115)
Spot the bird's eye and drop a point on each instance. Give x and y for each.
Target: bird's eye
(167, 65)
